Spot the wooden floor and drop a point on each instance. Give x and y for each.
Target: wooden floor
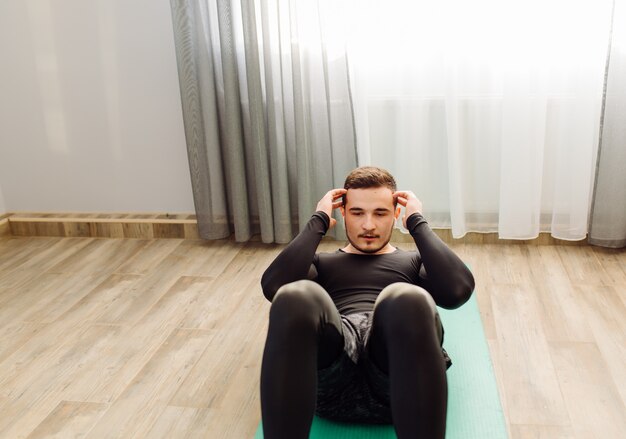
(132, 338)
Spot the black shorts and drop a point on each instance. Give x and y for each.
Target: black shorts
(353, 388)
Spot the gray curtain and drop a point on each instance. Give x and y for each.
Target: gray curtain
(267, 114)
(608, 212)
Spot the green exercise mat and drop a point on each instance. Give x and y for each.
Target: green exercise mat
(474, 410)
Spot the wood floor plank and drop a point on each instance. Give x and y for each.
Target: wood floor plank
(17, 251)
(541, 432)
(150, 257)
(184, 422)
(595, 406)
(35, 388)
(69, 419)
(107, 375)
(562, 314)
(55, 370)
(546, 265)
(230, 287)
(562, 317)
(494, 351)
(179, 262)
(237, 400)
(147, 291)
(607, 318)
(483, 295)
(45, 297)
(583, 267)
(206, 258)
(180, 300)
(20, 418)
(109, 372)
(101, 299)
(614, 267)
(100, 255)
(13, 281)
(533, 394)
(505, 264)
(136, 411)
(55, 251)
(14, 335)
(217, 367)
(40, 260)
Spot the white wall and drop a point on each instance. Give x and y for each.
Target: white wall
(90, 112)
(2, 208)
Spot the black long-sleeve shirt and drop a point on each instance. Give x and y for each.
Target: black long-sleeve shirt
(353, 281)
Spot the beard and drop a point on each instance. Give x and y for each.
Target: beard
(370, 250)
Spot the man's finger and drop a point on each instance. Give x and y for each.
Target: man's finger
(336, 193)
(405, 194)
(402, 200)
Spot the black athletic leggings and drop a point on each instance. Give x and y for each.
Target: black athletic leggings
(305, 334)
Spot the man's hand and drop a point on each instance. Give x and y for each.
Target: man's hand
(410, 202)
(330, 201)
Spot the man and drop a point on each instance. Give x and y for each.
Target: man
(354, 335)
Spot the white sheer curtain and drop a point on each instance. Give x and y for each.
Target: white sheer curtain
(489, 110)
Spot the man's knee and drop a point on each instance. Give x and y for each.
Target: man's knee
(402, 294)
(407, 308)
(298, 303)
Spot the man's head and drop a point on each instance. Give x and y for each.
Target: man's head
(369, 209)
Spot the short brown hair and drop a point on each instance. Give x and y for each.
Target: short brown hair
(367, 177)
(370, 176)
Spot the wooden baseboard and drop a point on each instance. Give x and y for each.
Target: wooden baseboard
(5, 228)
(184, 226)
(104, 225)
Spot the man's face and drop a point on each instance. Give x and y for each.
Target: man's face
(369, 215)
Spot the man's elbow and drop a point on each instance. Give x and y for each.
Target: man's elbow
(460, 294)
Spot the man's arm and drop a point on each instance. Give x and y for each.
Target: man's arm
(294, 262)
(448, 279)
